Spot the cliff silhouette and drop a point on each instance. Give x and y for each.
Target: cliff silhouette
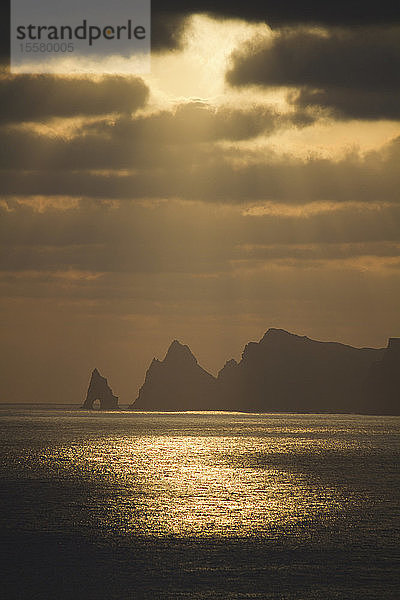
(383, 381)
(283, 372)
(100, 390)
(177, 383)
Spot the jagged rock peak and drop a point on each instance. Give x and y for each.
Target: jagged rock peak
(177, 383)
(178, 351)
(96, 377)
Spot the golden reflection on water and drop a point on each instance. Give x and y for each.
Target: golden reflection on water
(199, 485)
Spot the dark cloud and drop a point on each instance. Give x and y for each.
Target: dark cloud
(362, 59)
(40, 97)
(98, 238)
(198, 122)
(350, 103)
(147, 140)
(167, 24)
(289, 11)
(167, 29)
(355, 72)
(211, 174)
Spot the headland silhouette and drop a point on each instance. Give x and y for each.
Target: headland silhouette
(283, 372)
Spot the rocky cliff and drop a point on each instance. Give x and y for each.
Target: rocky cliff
(290, 373)
(177, 383)
(382, 386)
(100, 390)
(282, 372)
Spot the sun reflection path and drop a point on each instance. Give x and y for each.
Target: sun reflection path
(203, 486)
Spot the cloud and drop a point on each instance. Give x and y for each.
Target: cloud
(168, 26)
(162, 138)
(167, 29)
(51, 96)
(195, 122)
(73, 242)
(209, 173)
(277, 12)
(353, 72)
(350, 103)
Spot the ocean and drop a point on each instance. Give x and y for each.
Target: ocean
(127, 505)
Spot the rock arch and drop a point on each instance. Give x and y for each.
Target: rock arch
(100, 390)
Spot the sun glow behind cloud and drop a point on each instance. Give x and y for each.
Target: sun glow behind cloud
(198, 70)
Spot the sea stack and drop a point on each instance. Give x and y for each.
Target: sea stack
(100, 390)
(177, 383)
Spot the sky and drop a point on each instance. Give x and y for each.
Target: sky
(250, 180)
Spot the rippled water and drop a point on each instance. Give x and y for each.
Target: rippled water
(199, 505)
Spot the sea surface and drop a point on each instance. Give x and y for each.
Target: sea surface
(124, 505)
